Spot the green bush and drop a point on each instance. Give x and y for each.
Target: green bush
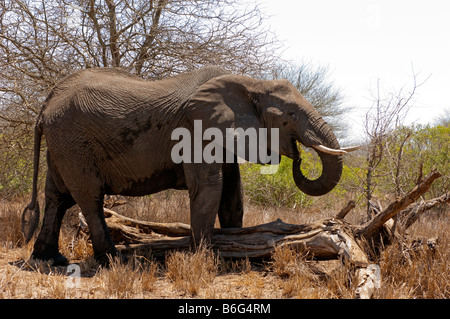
(426, 148)
(277, 189)
(16, 164)
(409, 151)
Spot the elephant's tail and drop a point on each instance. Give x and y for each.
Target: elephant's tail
(30, 222)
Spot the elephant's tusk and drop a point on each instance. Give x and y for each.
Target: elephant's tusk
(329, 150)
(333, 151)
(351, 149)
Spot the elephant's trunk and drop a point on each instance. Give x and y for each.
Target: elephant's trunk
(331, 173)
(327, 147)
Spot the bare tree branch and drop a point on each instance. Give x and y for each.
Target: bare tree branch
(386, 114)
(150, 38)
(372, 228)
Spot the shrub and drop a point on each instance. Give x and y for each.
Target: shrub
(277, 189)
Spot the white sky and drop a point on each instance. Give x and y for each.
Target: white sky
(362, 41)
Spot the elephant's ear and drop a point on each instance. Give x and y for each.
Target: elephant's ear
(227, 101)
(222, 105)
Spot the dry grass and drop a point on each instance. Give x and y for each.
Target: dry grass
(202, 274)
(10, 223)
(190, 271)
(299, 280)
(166, 207)
(123, 280)
(421, 274)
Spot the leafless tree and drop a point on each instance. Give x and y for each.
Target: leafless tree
(443, 119)
(42, 41)
(388, 112)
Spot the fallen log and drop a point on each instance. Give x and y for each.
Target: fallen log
(325, 239)
(331, 238)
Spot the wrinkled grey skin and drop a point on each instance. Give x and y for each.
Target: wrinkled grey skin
(109, 132)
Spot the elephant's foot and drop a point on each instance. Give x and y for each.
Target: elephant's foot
(56, 258)
(104, 259)
(201, 240)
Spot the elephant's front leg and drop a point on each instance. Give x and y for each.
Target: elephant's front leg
(204, 182)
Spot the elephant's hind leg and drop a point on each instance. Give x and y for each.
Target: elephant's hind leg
(231, 210)
(56, 205)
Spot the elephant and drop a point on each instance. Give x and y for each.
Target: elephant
(108, 132)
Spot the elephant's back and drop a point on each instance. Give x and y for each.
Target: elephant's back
(109, 99)
(115, 93)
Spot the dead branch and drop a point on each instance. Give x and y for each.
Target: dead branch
(117, 221)
(410, 215)
(368, 279)
(373, 226)
(344, 211)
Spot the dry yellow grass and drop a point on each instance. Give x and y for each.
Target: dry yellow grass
(190, 271)
(202, 274)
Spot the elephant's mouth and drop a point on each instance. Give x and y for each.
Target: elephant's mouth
(295, 154)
